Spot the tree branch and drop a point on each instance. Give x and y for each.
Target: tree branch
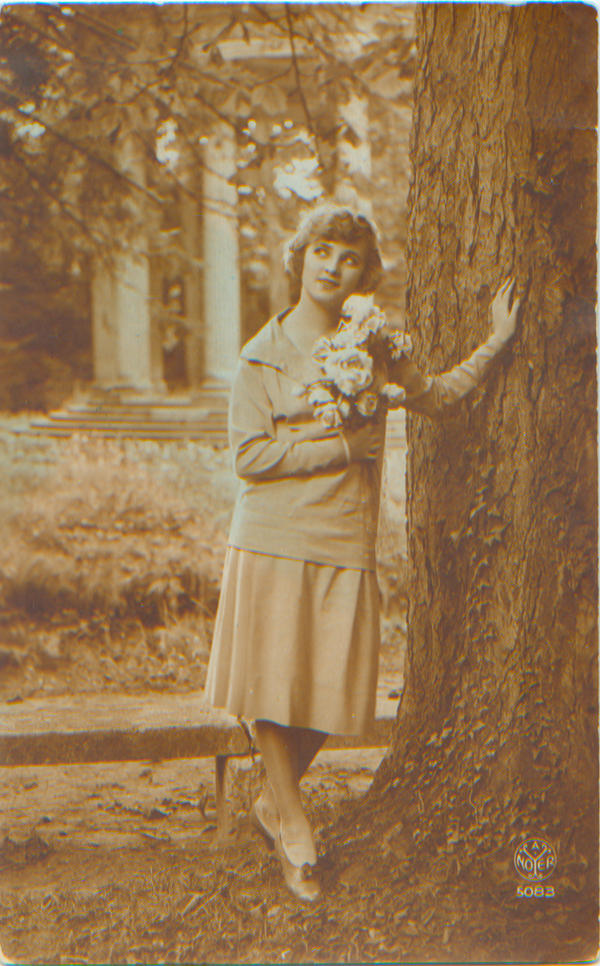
(180, 45)
(117, 36)
(65, 207)
(8, 100)
(309, 121)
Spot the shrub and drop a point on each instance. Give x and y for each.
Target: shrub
(122, 529)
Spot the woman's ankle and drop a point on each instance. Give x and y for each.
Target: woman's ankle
(297, 840)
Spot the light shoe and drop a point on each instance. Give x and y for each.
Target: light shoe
(302, 880)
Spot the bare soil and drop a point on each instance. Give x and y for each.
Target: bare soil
(121, 862)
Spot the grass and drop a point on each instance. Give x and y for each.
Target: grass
(125, 528)
(122, 529)
(112, 555)
(111, 560)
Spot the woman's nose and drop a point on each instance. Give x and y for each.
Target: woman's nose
(333, 265)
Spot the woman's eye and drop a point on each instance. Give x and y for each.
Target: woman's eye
(351, 260)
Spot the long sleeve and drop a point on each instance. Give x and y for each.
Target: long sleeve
(429, 395)
(258, 453)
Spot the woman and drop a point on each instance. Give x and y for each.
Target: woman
(296, 637)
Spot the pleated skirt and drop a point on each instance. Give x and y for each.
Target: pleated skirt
(296, 643)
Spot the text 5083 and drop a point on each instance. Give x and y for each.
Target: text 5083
(535, 892)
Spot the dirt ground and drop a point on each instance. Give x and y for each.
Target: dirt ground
(99, 860)
(121, 862)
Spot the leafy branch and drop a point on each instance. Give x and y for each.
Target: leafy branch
(7, 100)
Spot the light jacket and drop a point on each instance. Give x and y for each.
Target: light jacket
(300, 497)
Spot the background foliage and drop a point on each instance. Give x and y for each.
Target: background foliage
(76, 81)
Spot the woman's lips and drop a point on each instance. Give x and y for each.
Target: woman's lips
(331, 282)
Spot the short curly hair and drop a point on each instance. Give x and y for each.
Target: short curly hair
(336, 223)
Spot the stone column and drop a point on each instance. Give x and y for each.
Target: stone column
(121, 294)
(104, 325)
(192, 283)
(132, 292)
(222, 314)
(156, 310)
(132, 280)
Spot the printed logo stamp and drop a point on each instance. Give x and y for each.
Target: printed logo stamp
(535, 860)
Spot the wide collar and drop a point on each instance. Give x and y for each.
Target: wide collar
(272, 347)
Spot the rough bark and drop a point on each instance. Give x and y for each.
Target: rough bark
(496, 735)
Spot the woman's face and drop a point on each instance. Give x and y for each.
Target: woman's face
(332, 271)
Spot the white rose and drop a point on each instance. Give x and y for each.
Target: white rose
(322, 349)
(350, 369)
(400, 344)
(329, 415)
(319, 395)
(375, 323)
(348, 336)
(356, 308)
(394, 394)
(359, 312)
(344, 408)
(366, 403)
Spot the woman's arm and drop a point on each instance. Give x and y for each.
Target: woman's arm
(257, 452)
(430, 394)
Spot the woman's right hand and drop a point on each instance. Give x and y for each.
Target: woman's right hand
(365, 442)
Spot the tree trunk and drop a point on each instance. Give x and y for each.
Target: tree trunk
(496, 736)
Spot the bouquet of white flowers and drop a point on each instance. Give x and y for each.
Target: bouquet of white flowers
(355, 362)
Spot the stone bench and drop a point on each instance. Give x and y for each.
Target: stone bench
(105, 727)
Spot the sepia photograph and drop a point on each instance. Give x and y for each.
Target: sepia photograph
(298, 483)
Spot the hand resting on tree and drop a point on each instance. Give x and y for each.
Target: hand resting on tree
(503, 314)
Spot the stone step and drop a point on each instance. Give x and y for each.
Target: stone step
(169, 421)
(134, 396)
(212, 436)
(203, 418)
(77, 426)
(200, 416)
(121, 414)
(204, 401)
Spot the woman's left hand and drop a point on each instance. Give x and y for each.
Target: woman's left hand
(504, 320)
